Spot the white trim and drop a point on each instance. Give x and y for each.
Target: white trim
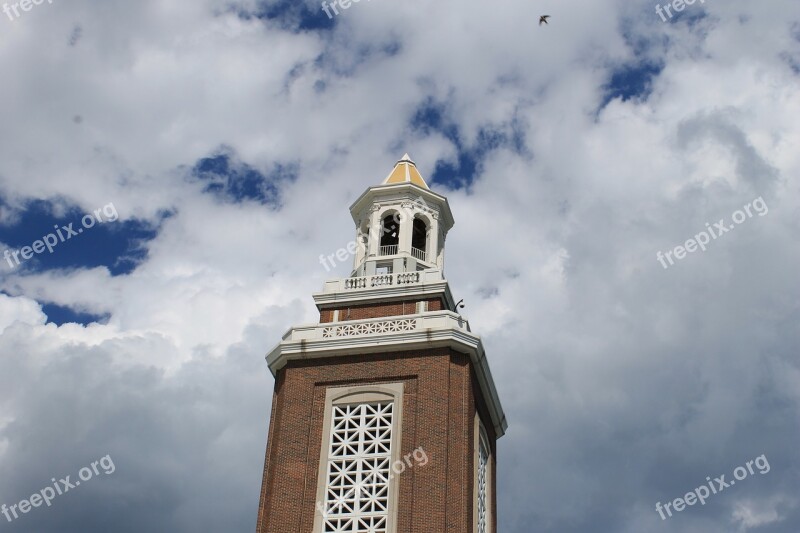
(348, 464)
(396, 193)
(430, 285)
(483, 480)
(433, 330)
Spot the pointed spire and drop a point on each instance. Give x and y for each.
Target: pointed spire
(405, 171)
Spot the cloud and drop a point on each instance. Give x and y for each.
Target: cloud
(238, 133)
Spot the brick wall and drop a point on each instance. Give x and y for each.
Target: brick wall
(439, 406)
(378, 310)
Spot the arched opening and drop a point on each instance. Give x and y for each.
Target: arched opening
(419, 239)
(390, 237)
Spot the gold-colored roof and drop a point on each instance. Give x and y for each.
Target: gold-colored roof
(405, 171)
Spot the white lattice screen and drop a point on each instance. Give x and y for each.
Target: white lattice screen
(359, 461)
(483, 465)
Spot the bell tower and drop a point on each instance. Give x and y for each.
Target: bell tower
(388, 244)
(385, 416)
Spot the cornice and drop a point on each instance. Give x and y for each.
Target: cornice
(432, 330)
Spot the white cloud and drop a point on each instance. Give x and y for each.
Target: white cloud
(624, 383)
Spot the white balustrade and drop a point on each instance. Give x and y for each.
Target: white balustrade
(384, 280)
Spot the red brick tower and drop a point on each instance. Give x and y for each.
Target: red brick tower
(385, 415)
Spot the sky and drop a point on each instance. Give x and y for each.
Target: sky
(624, 185)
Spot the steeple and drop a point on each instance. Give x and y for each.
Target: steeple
(391, 372)
(405, 171)
(401, 224)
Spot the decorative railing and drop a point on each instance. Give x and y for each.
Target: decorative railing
(370, 328)
(388, 250)
(384, 280)
(416, 253)
(408, 278)
(355, 283)
(430, 320)
(381, 279)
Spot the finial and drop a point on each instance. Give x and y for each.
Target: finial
(406, 159)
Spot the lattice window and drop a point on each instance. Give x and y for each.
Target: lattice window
(359, 460)
(483, 490)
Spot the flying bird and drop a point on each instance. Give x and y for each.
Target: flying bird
(543, 19)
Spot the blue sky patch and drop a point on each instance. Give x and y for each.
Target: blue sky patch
(345, 61)
(60, 315)
(233, 181)
(291, 15)
(631, 81)
(431, 117)
(75, 239)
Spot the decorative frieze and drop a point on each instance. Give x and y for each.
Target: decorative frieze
(370, 328)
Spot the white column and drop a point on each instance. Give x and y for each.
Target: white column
(361, 251)
(440, 253)
(406, 226)
(375, 233)
(432, 252)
